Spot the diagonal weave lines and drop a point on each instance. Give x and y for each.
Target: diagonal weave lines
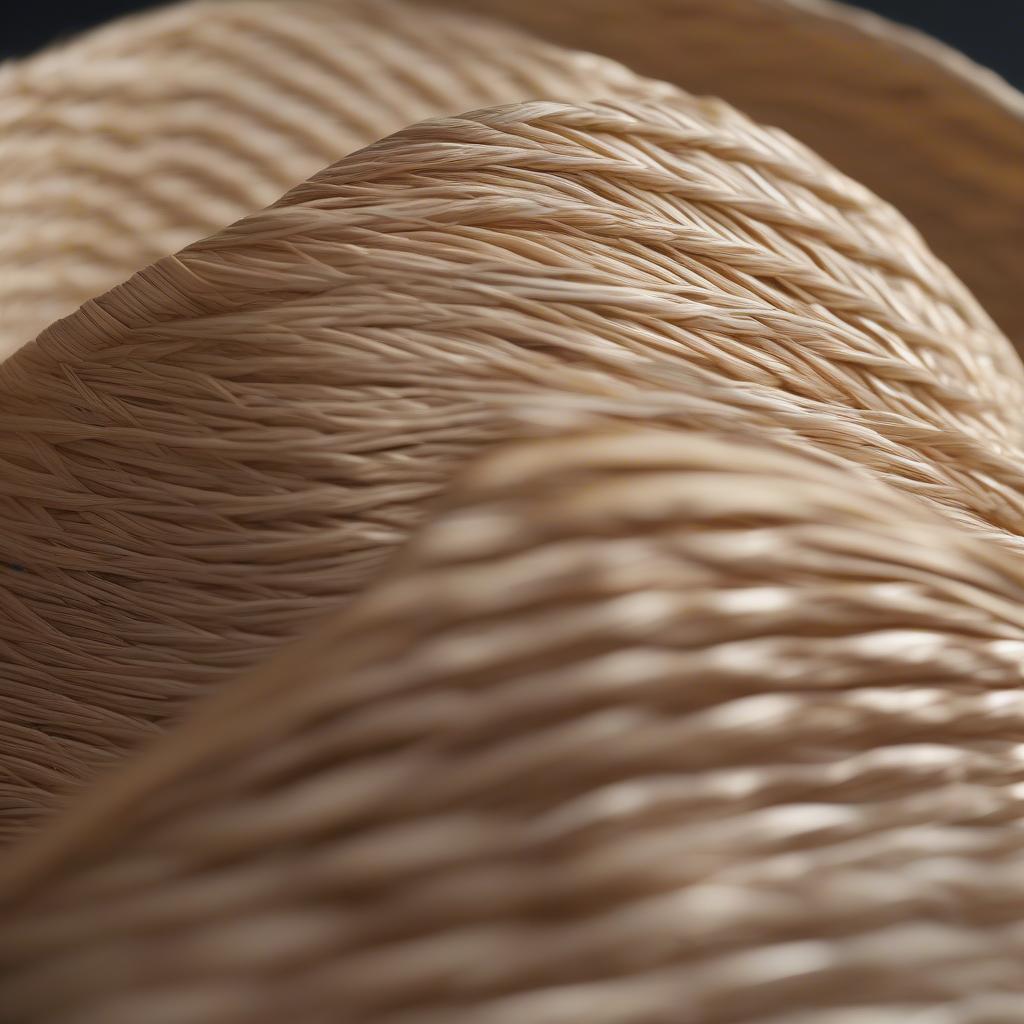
(201, 462)
(131, 142)
(648, 499)
(648, 724)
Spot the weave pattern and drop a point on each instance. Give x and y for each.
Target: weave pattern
(586, 533)
(131, 142)
(203, 461)
(648, 725)
(917, 122)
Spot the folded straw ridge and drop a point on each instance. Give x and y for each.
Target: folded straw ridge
(201, 462)
(599, 521)
(647, 724)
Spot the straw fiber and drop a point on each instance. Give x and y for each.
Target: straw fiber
(648, 724)
(202, 461)
(586, 532)
(917, 122)
(125, 145)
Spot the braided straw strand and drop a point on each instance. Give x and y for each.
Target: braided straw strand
(921, 125)
(489, 537)
(102, 136)
(203, 461)
(646, 725)
(133, 141)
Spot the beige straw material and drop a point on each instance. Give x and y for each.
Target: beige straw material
(131, 142)
(918, 123)
(647, 725)
(599, 521)
(202, 462)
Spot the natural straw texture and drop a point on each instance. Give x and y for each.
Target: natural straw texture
(649, 725)
(918, 123)
(662, 500)
(129, 143)
(203, 461)
(133, 141)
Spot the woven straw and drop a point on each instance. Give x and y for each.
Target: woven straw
(131, 142)
(648, 499)
(205, 459)
(917, 122)
(649, 725)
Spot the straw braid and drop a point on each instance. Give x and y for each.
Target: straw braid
(129, 143)
(661, 494)
(917, 122)
(203, 461)
(648, 725)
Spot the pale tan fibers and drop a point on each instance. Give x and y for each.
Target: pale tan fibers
(129, 142)
(647, 725)
(200, 463)
(915, 121)
(662, 500)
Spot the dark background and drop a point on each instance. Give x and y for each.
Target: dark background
(990, 31)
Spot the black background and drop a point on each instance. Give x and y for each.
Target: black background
(990, 31)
